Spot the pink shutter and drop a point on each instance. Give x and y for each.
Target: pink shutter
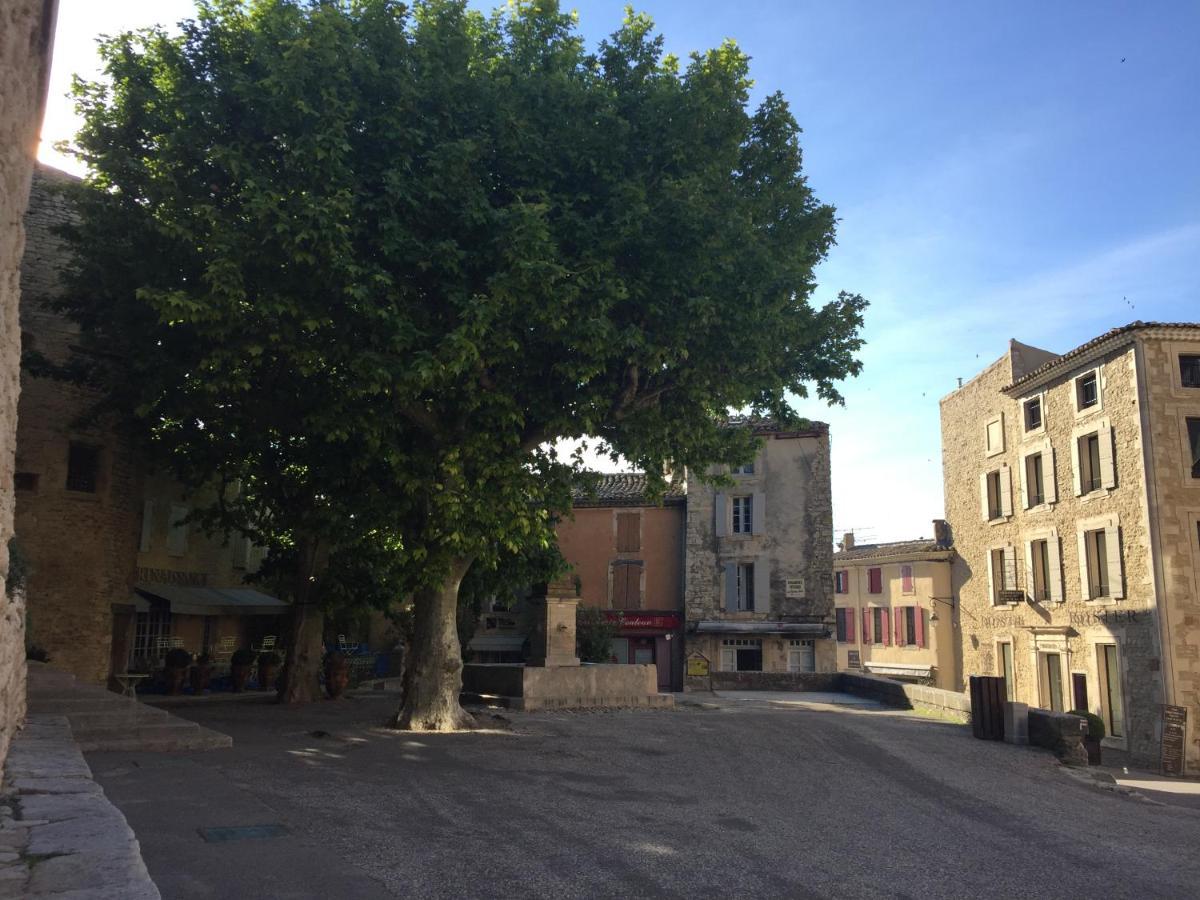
(884, 619)
(849, 626)
(867, 625)
(919, 618)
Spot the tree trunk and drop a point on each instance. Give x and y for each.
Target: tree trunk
(300, 682)
(433, 663)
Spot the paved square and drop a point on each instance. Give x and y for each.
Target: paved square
(740, 799)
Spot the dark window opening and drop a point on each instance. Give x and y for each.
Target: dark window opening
(1193, 427)
(1189, 371)
(1034, 480)
(1033, 414)
(995, 507)
(25, 481)
(1089, 470)
(83, 468)
(878, 627)
(1087, 390)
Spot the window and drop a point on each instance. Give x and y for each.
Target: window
(909, 627)
(841, 582)
(151, 631)
(907, 585)
(83, 468)
(1035, 486)
(629, 532)
(995, 492)
(1087, 391)
(874, 581)
(1112, 699)
(879, 625)
(747, 469)
(1006, 670)
(994, 436)
(802, 656)
(745, 586)
(844, 623)
(743, 515)
(1052, 686)
(1040, 558)
(627, 584)
(1033, 414)
(1096, 557)
(741, 655)
(1089, 464)
(25, 481)
(1193, 430)
(1002, 574)
(1189, 371)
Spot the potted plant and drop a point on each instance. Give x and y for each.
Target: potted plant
(201, 673)
(239, 668)
(1095, 734)
(337, 674)
(268, 669)
(176, 666)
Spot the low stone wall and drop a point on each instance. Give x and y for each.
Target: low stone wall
(951, 704)
(567, 687)
(1061, 733)
(764, 681)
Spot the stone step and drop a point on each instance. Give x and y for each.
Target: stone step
(83, 719)
(65, 704)
(161, 741)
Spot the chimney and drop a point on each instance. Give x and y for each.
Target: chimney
(848, 540)
(941, 533)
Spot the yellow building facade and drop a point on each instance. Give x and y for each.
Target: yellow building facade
(894, 610)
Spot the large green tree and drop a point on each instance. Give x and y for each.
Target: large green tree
(388, 255)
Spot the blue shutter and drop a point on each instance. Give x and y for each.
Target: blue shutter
(722, 518)
(731, 587)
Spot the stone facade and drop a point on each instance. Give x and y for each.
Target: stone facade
(26, 38)
(875, 586)
(758, 560)
(1057, 583)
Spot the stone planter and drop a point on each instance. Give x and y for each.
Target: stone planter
(337, 675)
(240, 675)
(200, 676)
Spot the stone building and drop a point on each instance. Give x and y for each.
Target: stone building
(628, 556)
(26, 39)
(1073, 491)
(894, 609)
(758, 562)
(116, 576)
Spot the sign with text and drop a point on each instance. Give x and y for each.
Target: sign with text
(794, 588)
(1174, 729)
(853, 659)
(664, 621)
(697, 665)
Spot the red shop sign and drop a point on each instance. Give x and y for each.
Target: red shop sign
(665, 621)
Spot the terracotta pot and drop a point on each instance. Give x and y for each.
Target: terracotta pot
(175, 679)
(200, 677)
(240, 675)
(267, 675)
(337, 676)
(1092, 746)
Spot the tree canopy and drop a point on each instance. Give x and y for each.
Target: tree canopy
(369, 261)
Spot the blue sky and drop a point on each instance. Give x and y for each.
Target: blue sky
(999, 172)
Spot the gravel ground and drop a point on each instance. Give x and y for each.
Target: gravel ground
(728, 799)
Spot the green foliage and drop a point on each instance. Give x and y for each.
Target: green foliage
(505, 578)
(19, 568)
(363, 262)
(1095, 723)
(593, 635)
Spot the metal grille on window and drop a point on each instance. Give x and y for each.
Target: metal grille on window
(83, 466)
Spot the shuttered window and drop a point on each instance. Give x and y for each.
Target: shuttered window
(875, 581)
(627, 584)
(839, 618)
(906, 580)
(841, 582)
(629, 532)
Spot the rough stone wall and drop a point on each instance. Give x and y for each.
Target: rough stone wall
(26, 36)
(1075, 627)
(1175, 503)
(796, 545)
(81, 545)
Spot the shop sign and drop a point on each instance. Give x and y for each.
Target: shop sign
(697, 665)
(1174, 727)
(664, 621)
(853, 659)
(794, 588)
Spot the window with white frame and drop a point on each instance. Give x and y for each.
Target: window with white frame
(994, 435)
(743, 515)
(741, 655)
(802, 656)
(1002, 574)
(1035, 480)
(1095, 462)
(995, 494)
(1112, 698)
(1096, 560)
(1087, 391)
(1100, 559)
(746, 469)
(150, 631)
(1031, 411)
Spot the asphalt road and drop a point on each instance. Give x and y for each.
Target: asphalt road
(742, 800)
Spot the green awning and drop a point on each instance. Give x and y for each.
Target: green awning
(187, 600)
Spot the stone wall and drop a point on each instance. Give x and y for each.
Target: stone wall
(901, 695)
(1060, 733)
(1075, 627)
(765, 681)
(26, 37)
(81, 545)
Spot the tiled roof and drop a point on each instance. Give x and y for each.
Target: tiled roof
(895, 548)
(625, 489)
(1094, 343)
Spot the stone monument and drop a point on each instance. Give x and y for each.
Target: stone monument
(553, 641)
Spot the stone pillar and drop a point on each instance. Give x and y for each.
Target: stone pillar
(553, 640)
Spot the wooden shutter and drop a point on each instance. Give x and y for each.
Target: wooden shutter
(762, 588)
(866, 624)
(147, 525)
(731, 587)
(885, 623)
(619, 586)
(629, 538)
(991, 578)
(1083, 563)
(1108, 467)
(1112, 546)
(1049, 476)
(1010, 569)
(758, 514)
(906, 579)
(1006, 496)
(1054, 565)
(983, 497)
(633, 593)
(919, 621)
(177, 531)
(849, 625)
(721, 522)
(1076, 472)
(1029, 579)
